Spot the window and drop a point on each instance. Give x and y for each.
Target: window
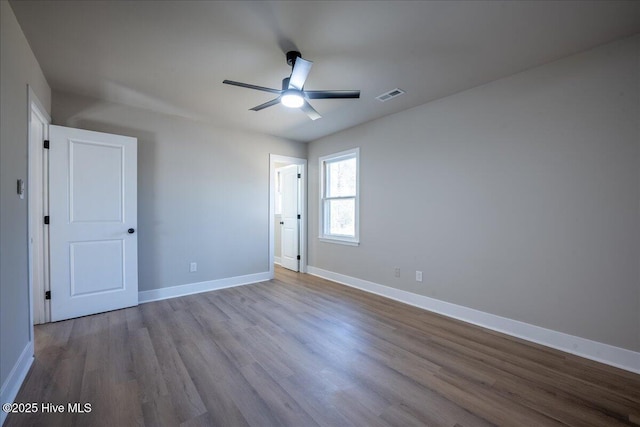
(339, 197)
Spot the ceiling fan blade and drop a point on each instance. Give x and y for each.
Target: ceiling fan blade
(299, 74)
(311, 112)
(332, 94)
(248, 86)
(266, 104)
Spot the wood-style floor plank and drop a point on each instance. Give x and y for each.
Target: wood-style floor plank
(303, 351)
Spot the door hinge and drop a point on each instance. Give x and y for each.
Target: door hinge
(299, 176)
(46, 144)
(47, 295)
(298, 256)
(46, 219)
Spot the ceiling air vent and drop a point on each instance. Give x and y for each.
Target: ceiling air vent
(388, 95)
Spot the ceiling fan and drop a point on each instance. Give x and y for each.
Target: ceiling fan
(293, 94)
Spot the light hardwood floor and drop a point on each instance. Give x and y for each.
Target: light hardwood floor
(302, 351)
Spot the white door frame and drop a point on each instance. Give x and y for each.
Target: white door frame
(37, 235)
(273, 159)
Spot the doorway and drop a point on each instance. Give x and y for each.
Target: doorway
(280, 172)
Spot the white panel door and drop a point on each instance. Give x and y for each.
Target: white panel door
(93, 219)
(290, 222)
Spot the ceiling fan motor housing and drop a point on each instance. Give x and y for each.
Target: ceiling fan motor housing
(292, 56)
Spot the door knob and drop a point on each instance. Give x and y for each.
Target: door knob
(131, 231)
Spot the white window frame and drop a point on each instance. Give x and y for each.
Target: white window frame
(332, 238)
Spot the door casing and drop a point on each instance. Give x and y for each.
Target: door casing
(37, 208)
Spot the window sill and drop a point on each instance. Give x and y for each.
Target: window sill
(339, 241)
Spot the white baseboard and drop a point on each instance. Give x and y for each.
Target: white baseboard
(277, 260)
(196, 288)
(18, 373)
(600, 352)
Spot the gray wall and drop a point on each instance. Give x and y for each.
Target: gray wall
(18, 67)
(203, 191)
(518, 198)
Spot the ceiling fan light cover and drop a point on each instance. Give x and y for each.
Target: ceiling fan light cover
(292, 99)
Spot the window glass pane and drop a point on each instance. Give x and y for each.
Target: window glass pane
(341, 178)
(340, 217)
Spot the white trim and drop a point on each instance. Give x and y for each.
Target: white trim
(339, 241)
(12, 384)
(600, 352)
(276, 260)
(196, 288)
(33, 98)
(273, 159)
(36, 208)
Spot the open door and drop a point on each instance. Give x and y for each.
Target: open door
(93, 220)
(290, 223)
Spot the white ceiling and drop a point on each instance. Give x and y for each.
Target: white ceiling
(171, 56)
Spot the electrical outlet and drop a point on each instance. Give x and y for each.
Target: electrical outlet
(418, 276)
(397, 272)
(193, 267)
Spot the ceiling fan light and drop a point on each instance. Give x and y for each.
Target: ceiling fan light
(292, 99)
